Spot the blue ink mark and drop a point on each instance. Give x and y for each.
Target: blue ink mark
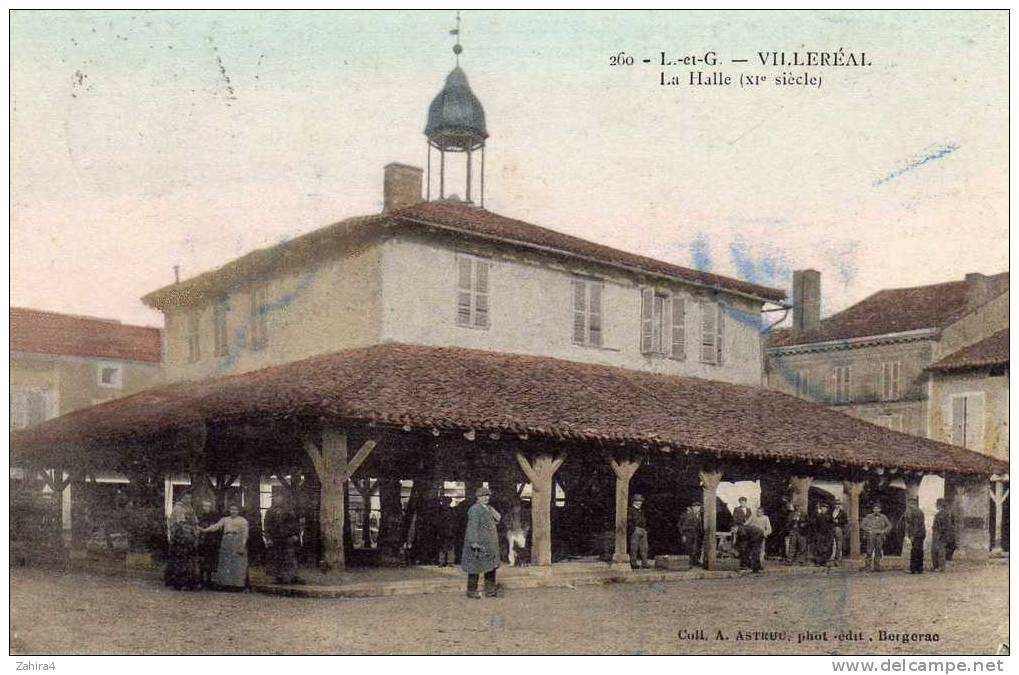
(844, 257)
(935, 152)
(240, 336)
(700, 253)
(767, 269)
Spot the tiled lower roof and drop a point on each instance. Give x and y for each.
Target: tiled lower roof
(461, 389)
(38, 332)
(989, 352)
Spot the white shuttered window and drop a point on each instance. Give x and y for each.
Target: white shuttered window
(967, 421)
(472, 292)
(712, 332)
(662, 323)
(587, 325)
(840, 385)
(259, 310)
(890, 376)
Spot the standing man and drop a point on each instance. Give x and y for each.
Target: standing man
(875, 526)
(822, 535)
(916, 530)
(481, 545)
(840, 521)
(636, 523)
(796, 537)
(691, 533)
(753, 534)
(740, 515)
(283, 533)
(942, 535)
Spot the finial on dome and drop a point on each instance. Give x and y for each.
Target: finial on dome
(457, 49)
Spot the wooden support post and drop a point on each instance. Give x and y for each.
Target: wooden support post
(624, 470)
(333, 469)
(539, 473)
(392, 517)
(999, 493)
(801, 493)
(709, 483)
(853, 489)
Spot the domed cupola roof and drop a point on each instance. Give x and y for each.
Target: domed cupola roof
(456, 119)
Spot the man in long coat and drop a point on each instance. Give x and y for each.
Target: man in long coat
(916, 530)
(691, 533)
(942, 535)
(481, 545)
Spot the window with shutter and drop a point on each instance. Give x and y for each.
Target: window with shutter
(647, 297)
(587, 326)
(194, 338)
(719, 334)
(472, 306)
(579, 311)
(709, 332)
(840, 385)
(678, 328)
(959, 421)
(656, 322)
(259, 329)
(28, 407)
(594, 332)
(802, 383)
(890, 381)
(221, 344)
(975, 421)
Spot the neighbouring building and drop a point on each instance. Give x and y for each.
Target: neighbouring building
(440, 342)
(62, 362)
(930, 361)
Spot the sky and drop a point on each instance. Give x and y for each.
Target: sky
(144, 140)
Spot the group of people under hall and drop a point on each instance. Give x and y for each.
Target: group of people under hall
(750, 530)
(208, 551)
(822, 536)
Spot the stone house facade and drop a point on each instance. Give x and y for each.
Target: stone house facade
(60, 363)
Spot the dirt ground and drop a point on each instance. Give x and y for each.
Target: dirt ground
(966, 608)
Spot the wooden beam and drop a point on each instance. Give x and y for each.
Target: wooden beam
(334, 469)
(853, 489)
(539, 473)
(362, 454)
(624, 470)
(709, 482)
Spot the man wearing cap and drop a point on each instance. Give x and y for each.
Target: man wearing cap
(875, 526)
(481, 545)
(637, 525)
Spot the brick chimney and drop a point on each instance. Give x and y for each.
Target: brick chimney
(806, 300)
(401, 186)
(978, 290)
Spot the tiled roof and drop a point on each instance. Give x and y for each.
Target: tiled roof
(991, 351)
(41, 332)
(463, 220)
(895, 310)
(454, 389)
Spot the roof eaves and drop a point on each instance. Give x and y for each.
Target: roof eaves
(561, 252)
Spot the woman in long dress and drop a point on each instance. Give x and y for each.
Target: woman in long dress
(182, 571)
(232, 568)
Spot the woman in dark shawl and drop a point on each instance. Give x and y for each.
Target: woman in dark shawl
(182, 569)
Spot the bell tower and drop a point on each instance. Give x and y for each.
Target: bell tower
(456, 127)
